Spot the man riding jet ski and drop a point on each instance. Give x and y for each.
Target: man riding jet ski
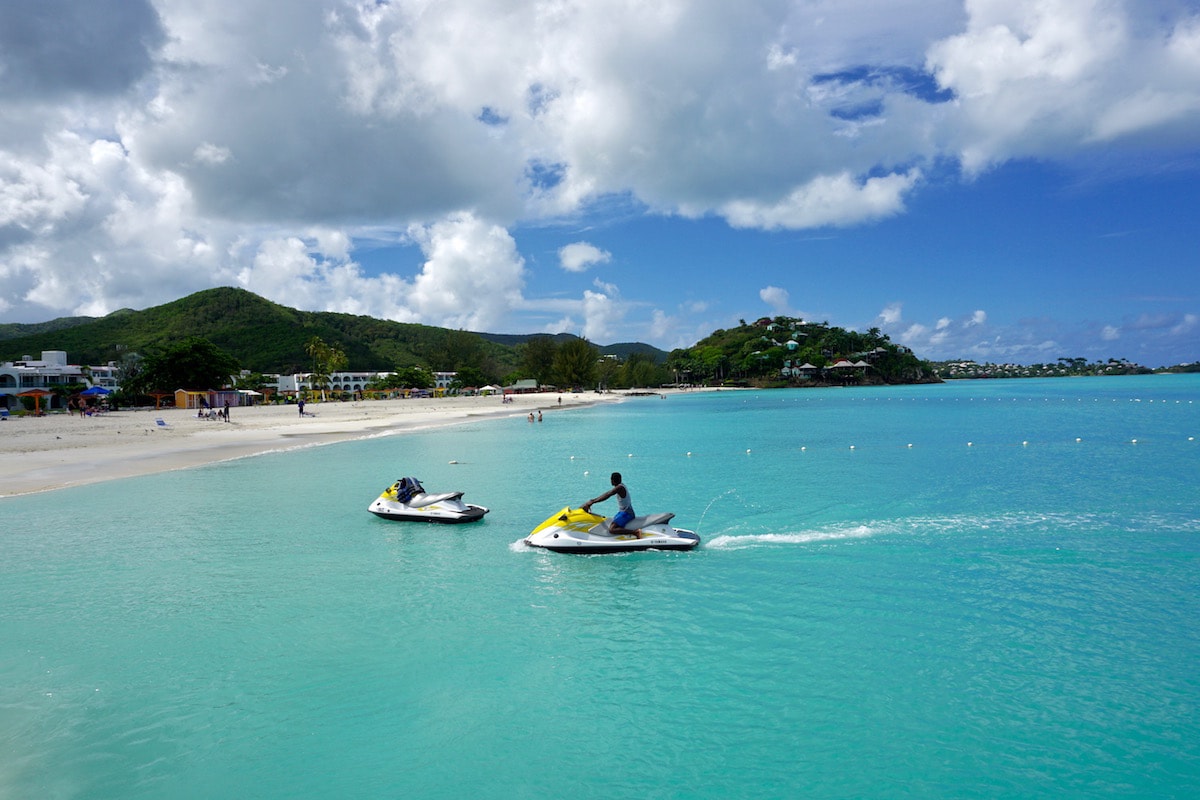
(407, 500)
(581, 531)
(573, 530)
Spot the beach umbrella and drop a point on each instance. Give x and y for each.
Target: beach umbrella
(95, 391)
(37, 395)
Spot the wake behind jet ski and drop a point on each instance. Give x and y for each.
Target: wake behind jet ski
(573, 530)
(407, 500)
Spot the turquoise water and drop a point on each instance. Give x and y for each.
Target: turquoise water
(1006, 608)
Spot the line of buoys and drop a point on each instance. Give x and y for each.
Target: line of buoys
(998, 399)
(907, 446)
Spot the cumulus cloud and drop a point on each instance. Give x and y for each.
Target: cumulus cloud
(151, 149)
(1046, 77)
(52, 48)
(472, 276)
(891, 315)
(775, 297)
(579, 256)
(825, 200)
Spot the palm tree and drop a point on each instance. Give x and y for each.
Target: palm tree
(326, 361)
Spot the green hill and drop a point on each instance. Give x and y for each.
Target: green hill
(759, 354)
(270, 338)
(16, 330)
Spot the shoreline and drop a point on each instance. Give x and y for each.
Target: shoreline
(43, 454)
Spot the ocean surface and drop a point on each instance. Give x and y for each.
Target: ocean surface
(978, 589)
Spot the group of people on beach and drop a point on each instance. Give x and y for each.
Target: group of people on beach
(207, 412)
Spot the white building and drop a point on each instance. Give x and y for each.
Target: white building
(338, 382)
(48, 374)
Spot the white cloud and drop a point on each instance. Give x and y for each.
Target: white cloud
(180, 146)
(1048, 77)
(472, 277)
(1186, 325)
(891, 314)
(601, 314)
(578, 256)
(207, 153)
(825, 200)
(775, 297)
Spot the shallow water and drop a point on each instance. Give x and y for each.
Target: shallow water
(973, 589)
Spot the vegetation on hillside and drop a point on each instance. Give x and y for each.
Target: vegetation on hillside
(266, 338)
(263, 338)
(772, 350)
(1064, 367)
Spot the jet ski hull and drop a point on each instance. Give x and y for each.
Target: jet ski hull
(447, 508)
(577, 531)
(397, 512)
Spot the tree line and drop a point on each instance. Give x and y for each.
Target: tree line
(197, 364)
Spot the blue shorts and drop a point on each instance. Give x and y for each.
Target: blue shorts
(622, 519)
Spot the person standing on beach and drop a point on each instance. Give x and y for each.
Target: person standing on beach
(625, 511)
(227, 411)
(300, 403)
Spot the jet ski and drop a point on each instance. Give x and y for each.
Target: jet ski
(574, 530)
(407, 500)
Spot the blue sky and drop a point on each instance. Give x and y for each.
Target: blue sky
(1002, 180)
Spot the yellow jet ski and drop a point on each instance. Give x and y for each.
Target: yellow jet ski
(574, 530)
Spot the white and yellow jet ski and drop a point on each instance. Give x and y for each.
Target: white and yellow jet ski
(574, 530)
(407, 500)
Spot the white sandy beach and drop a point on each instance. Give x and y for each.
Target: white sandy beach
(39, 454)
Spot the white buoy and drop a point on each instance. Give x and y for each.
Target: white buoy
(572, 458)
(910, 445)
(452, 461)
(747, 451)
(1078, 439)
(586, 473)
(851, 447)
(630, 455)
(970, 444)
(1133, 441)
(1024, 444)
(689, 453)
(803, 449)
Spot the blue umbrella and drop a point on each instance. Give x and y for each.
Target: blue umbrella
(95, 391)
